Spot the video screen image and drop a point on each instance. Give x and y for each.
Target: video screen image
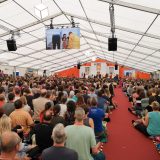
(63, 38)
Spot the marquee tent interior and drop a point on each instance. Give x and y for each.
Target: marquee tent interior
(137, 25)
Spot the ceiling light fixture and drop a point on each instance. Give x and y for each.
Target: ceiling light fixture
(41, 11)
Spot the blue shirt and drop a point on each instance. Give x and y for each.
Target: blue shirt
(97, 115)
(153, 128)
(101, 103)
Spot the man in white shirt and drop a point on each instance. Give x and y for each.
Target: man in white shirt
(39, 104)
(63, 106)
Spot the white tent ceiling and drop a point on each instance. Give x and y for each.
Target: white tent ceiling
(137, 29)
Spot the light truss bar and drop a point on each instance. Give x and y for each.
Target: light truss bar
(116, 27)
(133, 6)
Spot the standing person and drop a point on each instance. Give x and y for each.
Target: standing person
(49, 108)
(17, 92)
(39, 105)
(43, 132)
(9, 106)
(97, 115)
(69, 115)
(58, 149)
(29, 97)
(92, 93)
(70, 41)
(81, 135)
(2, 100)
(111, 89)
(19, 117)
(64, 41)
(102, 103)
(63, 106)
(56, 41)
(26, 107)
(56, 118)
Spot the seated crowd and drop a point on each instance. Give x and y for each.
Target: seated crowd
(54, 118)
(145, 99)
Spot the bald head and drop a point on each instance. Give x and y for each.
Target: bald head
(9, 141)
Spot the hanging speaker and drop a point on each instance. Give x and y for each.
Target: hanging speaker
(44, 72)
(112, 44)
(116, 66)
(78, 66)
(11, 44)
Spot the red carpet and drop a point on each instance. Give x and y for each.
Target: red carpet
(125, 142)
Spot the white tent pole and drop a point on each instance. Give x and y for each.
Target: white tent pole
(117, 27)
(133, 6)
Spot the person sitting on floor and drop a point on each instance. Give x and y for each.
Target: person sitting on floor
(150, 124)
(137, 109)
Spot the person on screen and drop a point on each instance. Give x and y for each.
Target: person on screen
(64, 41)
(56, 41)
(70, 40)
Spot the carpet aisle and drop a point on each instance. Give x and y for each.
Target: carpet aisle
(126, 143)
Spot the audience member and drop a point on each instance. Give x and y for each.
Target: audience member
(80, 137)
(39, 105)
(19, 117)
(58, 149)
(10, 145)
(9, 106)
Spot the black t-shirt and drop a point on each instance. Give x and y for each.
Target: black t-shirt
(29, 100)
(59, 153)
(149, 108)
(158, 99)
(43, 132)
(85, 96)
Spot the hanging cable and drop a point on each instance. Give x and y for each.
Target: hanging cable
(112, 19)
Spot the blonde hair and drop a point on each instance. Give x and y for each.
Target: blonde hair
(23, 100)
(5, 124)
(155, 106)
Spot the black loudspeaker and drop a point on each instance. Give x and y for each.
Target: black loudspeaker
(44, 72)
(78, 66)
(11, 44)
(116, 66)
(112, 44)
